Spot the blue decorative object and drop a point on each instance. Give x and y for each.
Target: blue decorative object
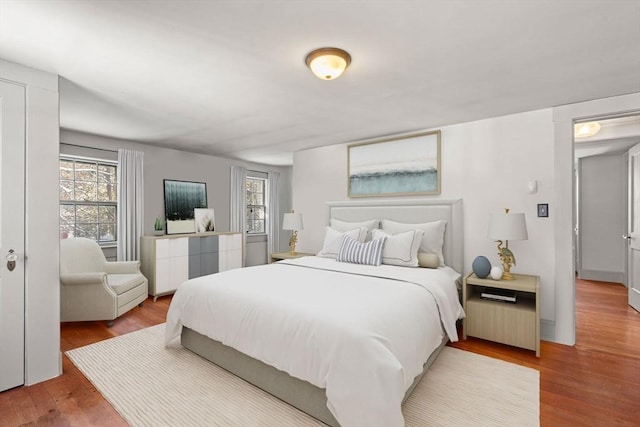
(481, 267)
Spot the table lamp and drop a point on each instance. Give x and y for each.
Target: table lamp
(292, 221)
(502, 228)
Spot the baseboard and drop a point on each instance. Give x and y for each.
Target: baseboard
(602, 276)
(547, 330)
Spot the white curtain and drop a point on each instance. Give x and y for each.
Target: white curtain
(273, 198)
(130, 204)
(238, 213)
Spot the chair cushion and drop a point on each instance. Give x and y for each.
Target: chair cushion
(122, 283)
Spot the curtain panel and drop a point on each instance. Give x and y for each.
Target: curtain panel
(273, 212)
(130, 203)
(238, 207)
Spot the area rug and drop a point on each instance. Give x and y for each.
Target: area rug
(150, 385)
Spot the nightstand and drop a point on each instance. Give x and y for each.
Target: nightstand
(513, 323)
(286, 255)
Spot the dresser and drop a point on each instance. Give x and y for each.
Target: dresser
(168, 261)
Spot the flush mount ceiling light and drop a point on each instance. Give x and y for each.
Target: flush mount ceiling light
(328, 63)
(583, 130)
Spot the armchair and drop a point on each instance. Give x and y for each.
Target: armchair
(91, 288)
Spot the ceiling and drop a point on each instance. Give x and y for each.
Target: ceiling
(228, 78)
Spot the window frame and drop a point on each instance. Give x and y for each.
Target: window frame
(74, 202)
(264, 206)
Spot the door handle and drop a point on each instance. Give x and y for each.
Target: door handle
(11, 260)
(626, 236)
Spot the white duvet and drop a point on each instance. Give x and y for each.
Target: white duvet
(362, 333)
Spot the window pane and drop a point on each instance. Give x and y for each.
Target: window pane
(86, 171)
(66, 190)
(88, 181)
(86, 191)
(107, 192)
(86, 213)
(107, 174)
(107, 214)
(66, 169)
(90, 231)
(108, 232)
(67, 214)
(259, 226)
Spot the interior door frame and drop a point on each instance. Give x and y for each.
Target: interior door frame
(562, 328)
(634, 302)
(576, 197)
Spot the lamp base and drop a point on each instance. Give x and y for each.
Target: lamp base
(507, 276)
(292, 243)
(507, 258)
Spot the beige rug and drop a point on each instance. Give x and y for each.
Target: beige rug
(150, 385)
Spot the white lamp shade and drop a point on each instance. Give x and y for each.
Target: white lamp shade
(292, 221)
(507, 226)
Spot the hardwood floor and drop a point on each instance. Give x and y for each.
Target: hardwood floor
(595, 383)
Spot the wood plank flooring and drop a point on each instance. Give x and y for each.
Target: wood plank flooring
(595, 383)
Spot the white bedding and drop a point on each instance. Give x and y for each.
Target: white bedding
(361, 336)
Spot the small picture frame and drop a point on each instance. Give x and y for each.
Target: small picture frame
(204, 220)
(543, 210)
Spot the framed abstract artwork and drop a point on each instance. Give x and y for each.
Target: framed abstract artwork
(405, 165)
(180, 200)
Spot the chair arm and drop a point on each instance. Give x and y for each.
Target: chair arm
(122, 267)
(83, 278)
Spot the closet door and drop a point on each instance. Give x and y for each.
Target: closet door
(12, 152)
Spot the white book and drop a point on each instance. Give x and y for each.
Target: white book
(499, 294)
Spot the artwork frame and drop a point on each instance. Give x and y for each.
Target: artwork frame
(205, 220)
(396, 166)
(180, 200)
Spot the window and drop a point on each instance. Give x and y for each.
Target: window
(256, 209)
(88, 199)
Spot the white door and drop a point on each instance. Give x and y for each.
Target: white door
(12, 147)
(633, 234)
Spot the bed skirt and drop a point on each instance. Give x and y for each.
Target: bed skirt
(298, 393)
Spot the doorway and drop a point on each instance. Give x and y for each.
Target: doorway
(602, 194)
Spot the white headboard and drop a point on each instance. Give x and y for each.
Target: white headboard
(411, 211)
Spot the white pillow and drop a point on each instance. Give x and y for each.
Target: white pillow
(354, 252)
(400, 249)
(333, 239)
(432, 240)
(346, 226)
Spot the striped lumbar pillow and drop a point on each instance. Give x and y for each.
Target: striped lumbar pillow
(369, 253)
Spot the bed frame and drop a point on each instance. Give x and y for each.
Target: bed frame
(302, 394)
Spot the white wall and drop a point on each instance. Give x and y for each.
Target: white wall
(161, 163)
(487, 163)
(42, 287)
(602, 217)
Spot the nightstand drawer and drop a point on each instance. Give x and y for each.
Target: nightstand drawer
(513, 324)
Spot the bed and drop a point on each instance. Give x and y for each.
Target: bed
(345, 343)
